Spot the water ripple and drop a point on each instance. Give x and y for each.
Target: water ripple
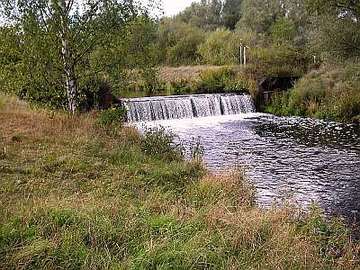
(303, 159)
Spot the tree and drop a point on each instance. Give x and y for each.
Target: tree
(231, 13)
(221, 48)
(283, 31)
(61, 35)
(260, 15)
(178, 42)
(336, 31)
(206, 14)
(275, 20)
(340, 8)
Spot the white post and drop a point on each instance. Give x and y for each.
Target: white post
(244, 55)
(240, 54)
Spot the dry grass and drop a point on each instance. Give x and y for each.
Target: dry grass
(76, 197)
(186, 73)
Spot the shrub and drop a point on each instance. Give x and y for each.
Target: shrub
(214, 81)
(241, 83)
(220, 48)
(150, 81)
(112, 117)
(92, 93)
(329, 93)
(140, 82)
(180, 87)
(224, 80)
(277, 61)
(160, 143)
(283, 31)
(178, 42)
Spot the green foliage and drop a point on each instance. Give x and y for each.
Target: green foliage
(335, 7)
(178, 42)
(283, 31)
(273, 21)
(221, 48)
(259, 15)
(336, 40)
(336, 34)
(240, 83)
(224, 80)
(181, 87)
(278, 61)
(10, 60)
(150, 83)
(51, 58)
(231, 13)
(207, 14)
(160, 143)
(214, 81)
(115, 116)
(330, 93)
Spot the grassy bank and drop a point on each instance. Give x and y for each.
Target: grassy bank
(332, 92)
(184, 80)
(75, 195)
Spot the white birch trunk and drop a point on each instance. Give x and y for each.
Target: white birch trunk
(69, 70)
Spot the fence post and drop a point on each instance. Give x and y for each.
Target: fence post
(245, 56)
(240, 54)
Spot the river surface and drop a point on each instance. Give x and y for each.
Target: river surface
(302, 160)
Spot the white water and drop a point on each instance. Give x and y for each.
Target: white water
(187, 107)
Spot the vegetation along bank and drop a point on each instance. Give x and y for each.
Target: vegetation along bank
(83, 192)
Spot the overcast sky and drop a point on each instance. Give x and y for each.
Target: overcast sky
(172, 7)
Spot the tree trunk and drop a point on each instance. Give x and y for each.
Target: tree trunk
(70, 78)
(68, 61)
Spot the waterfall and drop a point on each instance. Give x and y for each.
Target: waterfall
(179, 107)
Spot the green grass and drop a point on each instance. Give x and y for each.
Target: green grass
(195, 80)
(76, 196)
(332, 93)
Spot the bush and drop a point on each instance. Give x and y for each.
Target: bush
(150, 81)
(241, 83)
(160, 143)
(224, 80)
(214, 81)
(115, 116)
(220, 48)
(180, 87)
(178, 43)
(277, 61)
(330, 93)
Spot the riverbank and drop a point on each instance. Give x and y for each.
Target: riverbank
(200, 79)
(78, 194)
(331, 93)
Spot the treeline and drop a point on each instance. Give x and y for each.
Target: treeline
(63, 53)
(211, 31)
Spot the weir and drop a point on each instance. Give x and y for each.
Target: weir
(190, 106)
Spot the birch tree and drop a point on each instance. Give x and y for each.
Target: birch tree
(72, 29)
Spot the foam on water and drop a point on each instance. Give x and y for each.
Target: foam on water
(187, 107)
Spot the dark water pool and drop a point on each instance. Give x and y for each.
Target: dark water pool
(302, 160)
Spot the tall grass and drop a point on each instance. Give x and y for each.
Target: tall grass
(333, 92)
(75, 196)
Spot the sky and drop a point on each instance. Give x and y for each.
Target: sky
(172, 7)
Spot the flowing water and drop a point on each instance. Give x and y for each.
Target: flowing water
(193, 106)
(303, 160)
